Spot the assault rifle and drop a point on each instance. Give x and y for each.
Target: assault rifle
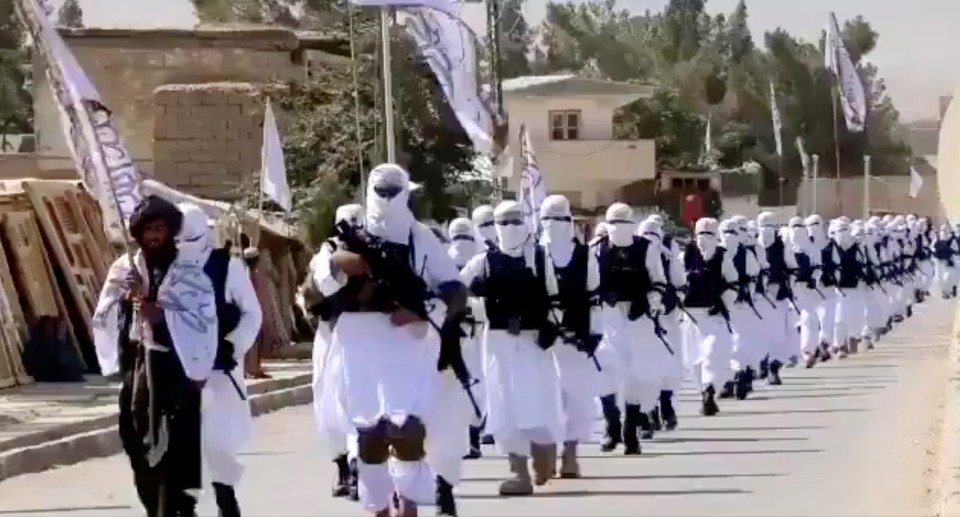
(389, 283)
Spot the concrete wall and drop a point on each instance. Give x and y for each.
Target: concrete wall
(127, 66)
(596, 166)
(887, 194)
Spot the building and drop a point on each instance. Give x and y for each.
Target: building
(570, 122)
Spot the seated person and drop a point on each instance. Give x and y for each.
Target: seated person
(48, 356)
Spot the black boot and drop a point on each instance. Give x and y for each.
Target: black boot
(764, 368)
(728, 389)
(742, 384)
(227, 500)
(631, 423)
(446, 504)
(646, 426)
(709, 406)
(611, 415)
(775, 373)
(475, 449)
(824, 352)
(354, 494)
(667, 413)
(341, 487)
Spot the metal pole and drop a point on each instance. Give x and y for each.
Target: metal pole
(354, 68)
(866, 187)
(387, 85)
(816, 177)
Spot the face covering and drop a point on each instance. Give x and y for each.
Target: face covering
(768, 235)
(706, 243)
(621, 233)
(843, 237)
(387, 213)
(513, 233)
(194, 241)
(558, 235)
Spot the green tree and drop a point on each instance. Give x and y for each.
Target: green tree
(516, 40)
(70, 14)
(16, 114)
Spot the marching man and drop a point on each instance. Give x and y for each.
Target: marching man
(524, 402)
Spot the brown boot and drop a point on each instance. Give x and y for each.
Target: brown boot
(569, 468)
(520, 483)
(544, 462)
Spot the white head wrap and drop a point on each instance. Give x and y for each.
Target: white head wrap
(388, 215)
(620, 224)
(558, 232)
(512, 231)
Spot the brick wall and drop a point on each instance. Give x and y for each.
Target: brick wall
(207, 137)
(127, 66)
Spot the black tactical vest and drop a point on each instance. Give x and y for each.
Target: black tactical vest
(705, 282)
(513, 291)
(777, 272)
(828, 266)
(574, 299)
(851, 269)
(624, 276)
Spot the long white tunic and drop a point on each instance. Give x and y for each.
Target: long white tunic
(389, 371)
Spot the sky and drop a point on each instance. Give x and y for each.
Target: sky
(918, 51)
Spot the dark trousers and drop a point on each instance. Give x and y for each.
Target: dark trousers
(162, 488)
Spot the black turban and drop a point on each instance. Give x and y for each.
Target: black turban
(151, 209)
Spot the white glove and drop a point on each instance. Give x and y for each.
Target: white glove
(729, 297)
(816, 275)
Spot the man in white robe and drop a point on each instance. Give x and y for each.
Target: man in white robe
(156, 325)
(665, 415)
(483, 224)
(945, 252)
(328, 390)
(850, 285)
(806, 291)
(524, 401)
(572, 278)
(226, 419)
(385, 277)
(780, 328)
(709, 334)
(748, 350)
(632, 283)
(463, 247)
(829, 260)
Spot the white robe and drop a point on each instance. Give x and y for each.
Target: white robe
(227, 423)
(524, 401)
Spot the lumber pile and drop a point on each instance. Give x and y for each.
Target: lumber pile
(54, 258)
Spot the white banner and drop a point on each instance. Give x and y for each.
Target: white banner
(804, 157)
(777, 122)
(105, 167)
(916, 182)
(450, 49)
(444, 6)
(533, 190)
(273, 170)
(837, 60)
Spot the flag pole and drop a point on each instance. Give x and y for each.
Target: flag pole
(866, 187)
(816, 178)
(836, 149)
(389, 129)
(356, 99)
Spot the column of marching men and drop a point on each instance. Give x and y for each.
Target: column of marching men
(508, 336)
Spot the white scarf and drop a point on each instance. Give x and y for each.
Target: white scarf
(188, 302)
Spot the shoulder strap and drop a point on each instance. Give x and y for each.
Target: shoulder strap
(217, 268)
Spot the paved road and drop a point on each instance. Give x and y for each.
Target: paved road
(849, 438)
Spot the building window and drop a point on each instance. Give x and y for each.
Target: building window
(565, 125)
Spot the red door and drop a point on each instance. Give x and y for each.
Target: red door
(691, 209)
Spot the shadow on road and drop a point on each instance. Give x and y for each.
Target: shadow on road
(67, 510)
(616, 493)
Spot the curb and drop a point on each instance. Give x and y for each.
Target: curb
(949, 504)
(99, 437)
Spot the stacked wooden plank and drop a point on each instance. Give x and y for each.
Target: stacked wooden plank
(54, 258)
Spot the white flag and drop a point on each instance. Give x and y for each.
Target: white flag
(916, 182)
(444, 6)
(777, 123)
(804, 157)
(532, 188)
(837, 60)
(273, 170)
(105, 167)
(708, 139)
(449, 47)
